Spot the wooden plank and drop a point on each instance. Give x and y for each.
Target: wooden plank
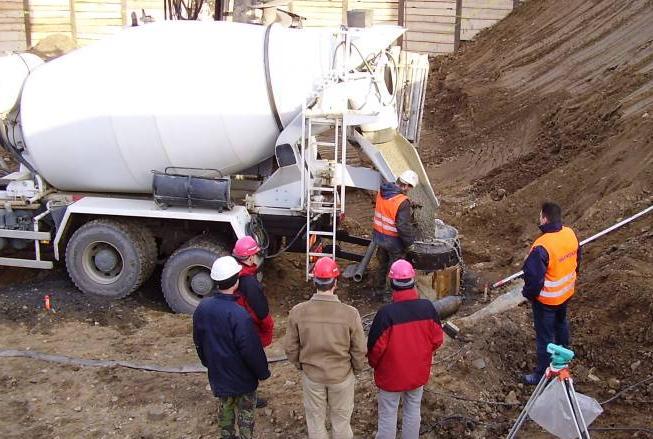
(34, 4)
(430, 27)
(10, 27)
(430, 37)
(13, 46)
(50, 28)
(431, 12)
(99, 2)
(17, 13)
(431, 19)
(92, 8)
(488, 4)
(486, 14)
(80, 22)
(468, 23)
(434, 48)
(431, 5)
(13, 35)
(459, 7)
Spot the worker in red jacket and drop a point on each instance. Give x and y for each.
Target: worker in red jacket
(250, 291)
(403, 337)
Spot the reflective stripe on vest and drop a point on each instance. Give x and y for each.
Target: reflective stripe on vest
(385, 213)
(560, 276)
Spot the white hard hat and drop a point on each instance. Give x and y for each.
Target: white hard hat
(409, 177)
(225, 267)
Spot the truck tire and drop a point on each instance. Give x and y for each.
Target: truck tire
(109, 258)
(149, 245)
(186, 274)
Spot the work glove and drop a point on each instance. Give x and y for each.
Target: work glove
(415, 205)
(410, 248)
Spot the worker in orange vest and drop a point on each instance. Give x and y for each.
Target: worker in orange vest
(550, 272)
(394, 231)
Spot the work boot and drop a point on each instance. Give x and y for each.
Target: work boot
(531, 379)
(261, 402)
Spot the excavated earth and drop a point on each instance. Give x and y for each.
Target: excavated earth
(553, 103)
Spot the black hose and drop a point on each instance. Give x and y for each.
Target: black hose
(7, 146)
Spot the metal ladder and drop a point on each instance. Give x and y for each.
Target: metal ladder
(322, 194)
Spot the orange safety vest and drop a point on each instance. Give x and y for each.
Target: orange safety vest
(385, 213)
(560, 276)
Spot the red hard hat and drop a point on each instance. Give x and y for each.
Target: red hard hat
(401, 270)
(246, 247)
(326, 268)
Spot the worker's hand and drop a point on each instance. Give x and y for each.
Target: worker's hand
(410, 248)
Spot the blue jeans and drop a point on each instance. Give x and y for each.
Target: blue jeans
(551, 326)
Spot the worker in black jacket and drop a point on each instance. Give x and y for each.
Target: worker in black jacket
(228, 345)
(394, 231)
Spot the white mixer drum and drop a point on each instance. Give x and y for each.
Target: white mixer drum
(183, 93)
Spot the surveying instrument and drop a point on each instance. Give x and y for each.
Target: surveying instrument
(558, 370)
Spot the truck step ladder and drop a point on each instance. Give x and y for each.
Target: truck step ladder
(322, 194)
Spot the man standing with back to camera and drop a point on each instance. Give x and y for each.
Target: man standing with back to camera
(550, 272)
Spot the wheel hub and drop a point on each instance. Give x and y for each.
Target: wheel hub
(201, 283)
(106, 260)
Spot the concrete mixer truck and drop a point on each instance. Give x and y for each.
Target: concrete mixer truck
(165, 143)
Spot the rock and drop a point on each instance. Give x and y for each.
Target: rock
(593, 378)
(289, 383)
(511, 398)
(208, 387)
(498, 194)
(613, 383)
(635, 365)
(78, 409)
(114, 399)
(479, 363)
(156, 414)
(267, 411)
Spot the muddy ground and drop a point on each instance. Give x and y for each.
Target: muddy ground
(555, 102)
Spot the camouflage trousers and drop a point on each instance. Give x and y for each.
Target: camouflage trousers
(237, 410)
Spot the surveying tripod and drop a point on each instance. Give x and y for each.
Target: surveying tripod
(557, 370)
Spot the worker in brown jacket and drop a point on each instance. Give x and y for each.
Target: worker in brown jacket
(325, 340)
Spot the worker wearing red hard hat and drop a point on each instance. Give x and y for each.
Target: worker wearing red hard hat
(251, 295)
(402, 339)
(325, 340)
(250, 291)
(394, 231)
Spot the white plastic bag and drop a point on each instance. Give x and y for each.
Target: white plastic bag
(551, 410)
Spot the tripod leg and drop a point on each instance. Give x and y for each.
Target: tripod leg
(565, 386)
(524, 413)
(579, 418)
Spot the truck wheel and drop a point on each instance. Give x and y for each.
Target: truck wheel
(186, 277)
(149, 245)
(108, 258)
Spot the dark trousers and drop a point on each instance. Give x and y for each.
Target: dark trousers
(386, 257)
(551, 326)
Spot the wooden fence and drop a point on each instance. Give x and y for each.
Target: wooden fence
(433, 26)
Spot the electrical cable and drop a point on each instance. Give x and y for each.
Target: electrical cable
(289, 245)
(621, 392)
(644, 429)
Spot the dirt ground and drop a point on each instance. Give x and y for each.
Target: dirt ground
(555, 102)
